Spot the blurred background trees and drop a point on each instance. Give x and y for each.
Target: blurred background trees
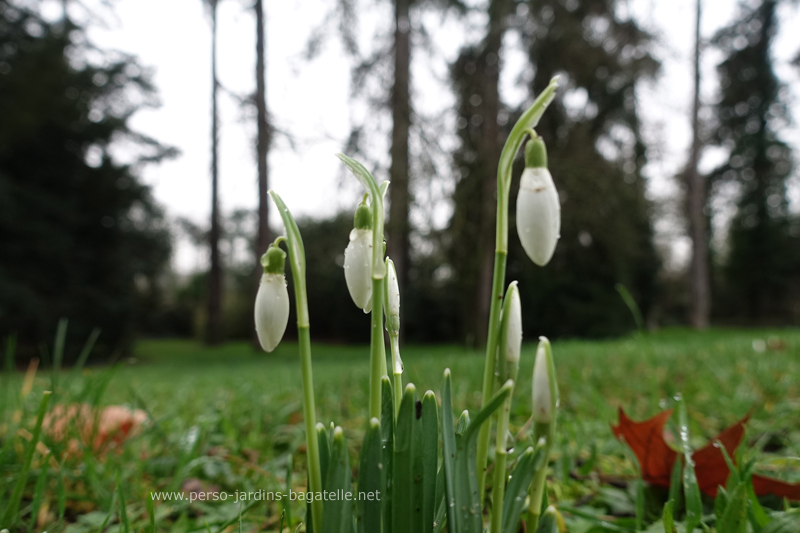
(83, 239)
(81, 236)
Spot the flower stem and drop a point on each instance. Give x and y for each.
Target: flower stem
(539, 479)
(398, 376)
(312, 444)
(498, 280)
(499, 482)
(377, 361)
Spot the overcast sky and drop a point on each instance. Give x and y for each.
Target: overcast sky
(309, 100)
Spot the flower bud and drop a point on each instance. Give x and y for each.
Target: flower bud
(392, 299)
(512, 325)
(545, 387)
(358, 259)
(272, 300)
(538, 207)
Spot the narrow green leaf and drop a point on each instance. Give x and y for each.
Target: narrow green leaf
(62, 498)
(38, 492)
(462, 424)
(369, 479)
(441, 509)
(86, 350)
(151, 510)
(734, 519)
(675, 485)
(387, 451)
(667, 518)
(528, 463)
(784, 523)
(640, 501)
(465, 475)
(417, 470)
(720, 502)
(694, 505)
(58, 351)
(10, 514)
(448, 452)
(758, 516)
(123, 512)
(403, 469)
(430, 460)
(548, 523)
(339, 508)
(324, 449)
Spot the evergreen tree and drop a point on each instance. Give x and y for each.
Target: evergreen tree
(81, 236)
(761, 256)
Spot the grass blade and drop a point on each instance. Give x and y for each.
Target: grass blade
(430, 459)
(123, 512)
(58, 351)
(667, 518)
(38, 493)
(86, 350)
(694, 505)
(734, 519)
(10, 514)
(152, 512)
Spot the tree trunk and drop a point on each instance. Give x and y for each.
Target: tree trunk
(489, 149)
(397, 227)
(262, 146)
(214, 323)
(700, 305)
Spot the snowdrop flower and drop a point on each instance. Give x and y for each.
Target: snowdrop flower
(392, 299)
(272, 300)
(545, 387)
(512, 324)
(538, 207)
(358, 259)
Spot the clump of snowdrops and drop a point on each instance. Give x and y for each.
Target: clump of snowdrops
(420, 470)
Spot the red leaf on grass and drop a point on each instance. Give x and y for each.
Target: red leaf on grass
(656, 458)
(646, 440)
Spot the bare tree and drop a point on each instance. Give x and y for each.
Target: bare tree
(213, 334)
(700, 305)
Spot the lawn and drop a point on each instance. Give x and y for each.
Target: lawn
(230, 419)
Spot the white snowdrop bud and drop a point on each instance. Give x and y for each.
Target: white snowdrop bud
(392, 300)
(272, 300)
(538, 207)
(358, 259)
(512, 324)
(545, 388)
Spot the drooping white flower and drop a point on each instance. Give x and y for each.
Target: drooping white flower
(272, 299)
(538, 206)
(272, 310)
(358, 268)
(512, 324)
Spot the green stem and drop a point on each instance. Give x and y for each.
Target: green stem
(498, 281)
(398, 376)
(377, 349)
(539, 479)
(312, 444)
(499, 483)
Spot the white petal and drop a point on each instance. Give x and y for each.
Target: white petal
(538, 215)
(357, 269)
(272, 310)
(514, 327)
(541, 388)
(393, 303)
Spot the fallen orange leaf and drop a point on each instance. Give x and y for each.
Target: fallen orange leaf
(656, 458)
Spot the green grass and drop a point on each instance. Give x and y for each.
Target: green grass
(232, 417)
